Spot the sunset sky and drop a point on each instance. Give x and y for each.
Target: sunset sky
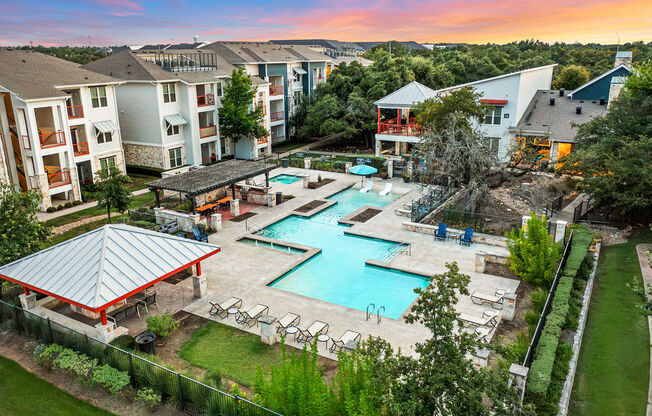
(118, 22)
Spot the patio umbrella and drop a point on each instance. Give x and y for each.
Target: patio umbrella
(363, 170)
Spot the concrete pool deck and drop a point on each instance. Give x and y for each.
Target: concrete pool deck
(244, 270)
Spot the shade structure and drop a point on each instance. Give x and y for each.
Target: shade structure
(176, 120)
(105, 126)
(363, 170)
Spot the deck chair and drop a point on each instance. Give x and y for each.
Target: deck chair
(367, 187)
(251, 316)
(221, 309)
(483, 333)
(440, 234)
(199, 236)
(387, 190)
(479, 298)
(402, 212)
(466, 238)
(289, 319)
(338, 344)
(469, 321)
(307, 335)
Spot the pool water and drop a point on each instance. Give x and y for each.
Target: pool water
(339, 274)
(284, 178)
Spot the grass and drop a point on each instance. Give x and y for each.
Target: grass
(291, 146)
(138, 181)
(233, 353)
(22, 393)
(613, 368)
(59, 238)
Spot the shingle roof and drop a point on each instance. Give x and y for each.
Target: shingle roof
(33, 75)
(406, 96)
(250, 52)
(104, 265)
(556, 121)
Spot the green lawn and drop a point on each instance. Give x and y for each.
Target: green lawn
(22, 393)
(138, 181)
(233, 353)
(613, 369)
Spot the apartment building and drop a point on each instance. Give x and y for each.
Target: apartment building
(58, 124)
(291, 71)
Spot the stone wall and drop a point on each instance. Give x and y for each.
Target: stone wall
(166, 161)
(186, 221)
(492, 240)
(119, 161)
(136, 154)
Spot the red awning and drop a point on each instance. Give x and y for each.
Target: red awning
(489, 101)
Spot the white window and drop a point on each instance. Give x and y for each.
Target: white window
(492, 145)
(218, 89)
(107, 163)
(98, 97)
(175, 157)
(169, 93)
(172, 130)
(493, 114)
(103, 137)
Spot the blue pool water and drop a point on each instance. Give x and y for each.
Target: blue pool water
(339, 274)
(283, 178)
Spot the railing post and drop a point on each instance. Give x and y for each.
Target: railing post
(50, 328)
(237, 405)
(132, 372)
(88, 344)
(180, 390)
(16, 319)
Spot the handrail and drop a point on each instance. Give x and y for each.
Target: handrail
(276, 90)
(370, 312)
(379, 316)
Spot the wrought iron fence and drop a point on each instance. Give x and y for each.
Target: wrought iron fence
(430, 201)
(191, 396)
(482, 223)
(580, 211)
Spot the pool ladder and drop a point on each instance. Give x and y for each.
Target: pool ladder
(379, 313)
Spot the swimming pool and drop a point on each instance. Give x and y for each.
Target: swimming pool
(339, 274)
(284, 178)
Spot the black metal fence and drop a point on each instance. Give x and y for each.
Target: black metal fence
(580, 211)
(191, 396)
(429, 202)
(554, 206)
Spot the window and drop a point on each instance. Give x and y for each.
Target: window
(492, 145)
(169, 93)
(172, 130)
(493, 114)
(103, 137)
(218, 90)
(107, 163)
(98, 97)
(175, 157)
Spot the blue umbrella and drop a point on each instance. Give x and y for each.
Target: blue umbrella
(363, 170)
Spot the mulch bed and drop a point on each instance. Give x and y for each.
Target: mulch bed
(315, 185)
(179, 277)
(243, 217)
(367, 214)
(501, 270)
(310, 206)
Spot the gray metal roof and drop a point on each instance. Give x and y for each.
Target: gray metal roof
(176, 120)
(407, 96)
(261, 52)
(107, 126)
(106, 264)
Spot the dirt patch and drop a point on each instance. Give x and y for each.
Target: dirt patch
(20, 350)
(319, 184)
(366, 215)
(310, 206)
(501, 270)
(507, 330)
(67, 227)
(353, 145)
(243, 217)
(179, 277)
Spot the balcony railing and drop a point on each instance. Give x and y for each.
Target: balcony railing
(75, 111)
(278, 138)
(80, 149)
(276, 90)
(262, 140)
(26, 143)
(58, 138)
(263, 107)
(207, 131)
(318, 80)
(59, 179)
(394, 129)
(277, 116)
(86, 181)
(209, 160)
(204, 100)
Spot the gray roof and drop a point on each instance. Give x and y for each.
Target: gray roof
(348, 59)
(324, 43)
(408, 44)
(556, 121)
(261, 52)
(33, 75)
(212, 177)
(406, 96)
(106, 264)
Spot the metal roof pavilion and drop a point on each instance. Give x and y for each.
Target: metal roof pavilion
(104, 266)
(406, 96)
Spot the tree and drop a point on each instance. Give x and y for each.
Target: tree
(571, 77)
(434, 113)
(238, 117)
(533, 255)
(21, 233)
(112, 192)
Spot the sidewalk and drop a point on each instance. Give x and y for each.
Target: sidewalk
(45, 216)
(568, 212)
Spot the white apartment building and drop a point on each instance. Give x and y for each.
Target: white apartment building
(58, 124)
(506, 96)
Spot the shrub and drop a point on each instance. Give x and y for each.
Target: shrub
(60, 207)
(162, 325)
(114, 380)
(50, 209)
(532, 317)
(68, 205)
(538, 298)
(45, 354)
(148, 397)
(76, 203)
(214, 379)
(124, 342)
(80, 365)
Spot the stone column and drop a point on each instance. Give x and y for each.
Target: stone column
(267, 329)
(390, 169)
(560, 230)
(216, 221)
(307, 162)
(306, 179)
(235, 207)
(480, 261)
(347, 166)
(105, 333)
(378, 147)
(199, 286)
(28, 302)
(410, 168)
(509, 306)
(518, 374)
(481, 357)
(271, 200)
(524, 221)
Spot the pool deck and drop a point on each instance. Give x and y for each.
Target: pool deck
(244, 270)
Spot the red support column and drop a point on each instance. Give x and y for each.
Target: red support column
(103, 316)
(198, 269)
(378, 120)
(26, 290)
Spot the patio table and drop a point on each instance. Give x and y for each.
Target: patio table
(323, 338)
(207, 207)
(292, 330)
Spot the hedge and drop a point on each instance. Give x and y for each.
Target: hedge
(144, 170)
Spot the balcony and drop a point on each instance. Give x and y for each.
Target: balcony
(205, 100)
(207, 131)
(48, 140)
(75, 111)
(261, 140)
(277, 116)
(80, 149)
(263, 108)
(276, 90)
(209, 160)
(318, 80)
(86, 181)
(391, 127)
(59, 178)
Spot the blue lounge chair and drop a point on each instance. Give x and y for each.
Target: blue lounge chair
(466, 238)
(199, 236)
(440, 234)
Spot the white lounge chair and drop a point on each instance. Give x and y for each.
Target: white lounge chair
(307, 335)
(221, 309)
(476, 321)
(483, 333)
(367, 187)
(496, 302)
(289, 319)
(251, 316)
(348, 336)
(388, 189)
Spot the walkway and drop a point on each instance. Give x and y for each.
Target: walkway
(568, 212)
(45, 216)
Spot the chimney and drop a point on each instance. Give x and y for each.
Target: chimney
(617, 84)
(623, 58)
(578, 109)
(195, 39)
(561, 92)
(552, 100)
(602, 101)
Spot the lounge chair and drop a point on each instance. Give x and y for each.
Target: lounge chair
(479, 298)
(483, 333)
(466, 238)
(476, 321)
(348, 336)
(387, 190)
(222, 309)
(199, 236)
(440, 234)
(402, 212)
(289, 319)
(251, 316)
(307, 335)
(367, 187)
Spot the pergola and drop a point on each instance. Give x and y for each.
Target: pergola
(210, 178)
(96, 270)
